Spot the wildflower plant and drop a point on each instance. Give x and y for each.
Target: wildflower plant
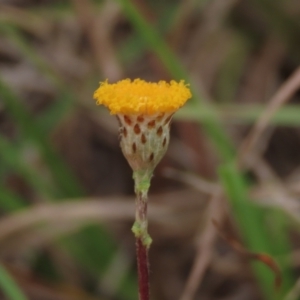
(144, 110)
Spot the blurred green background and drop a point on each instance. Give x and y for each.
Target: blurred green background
(66, 192)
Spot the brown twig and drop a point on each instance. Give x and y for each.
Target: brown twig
(197, 182)
(285, 92)
(204, 248)
(262, 257)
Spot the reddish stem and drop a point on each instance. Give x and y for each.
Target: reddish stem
(143, 272)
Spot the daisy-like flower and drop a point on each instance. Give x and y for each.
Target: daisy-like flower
(144, 110)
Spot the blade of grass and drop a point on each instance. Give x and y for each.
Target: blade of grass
(61, 174)
(279, 226)
(89, 238)
(129, 287)
(250, 219)
(9, 201)
(10, 154)
(244, 114)
(9, 287)
(47, 121)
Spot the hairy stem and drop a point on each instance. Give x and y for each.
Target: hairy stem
(140, 230)
(143, 269)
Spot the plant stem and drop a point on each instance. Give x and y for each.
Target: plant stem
(140, 230)
(143, 270)
(143, 242)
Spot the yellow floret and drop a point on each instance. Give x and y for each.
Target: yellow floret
(141, 97)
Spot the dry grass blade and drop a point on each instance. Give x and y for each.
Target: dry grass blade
(196, 182)
(68, 216)
(285, 92)
(87, 211)
(205, 240)
(205, 244)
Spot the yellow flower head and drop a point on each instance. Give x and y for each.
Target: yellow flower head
(141, 97)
